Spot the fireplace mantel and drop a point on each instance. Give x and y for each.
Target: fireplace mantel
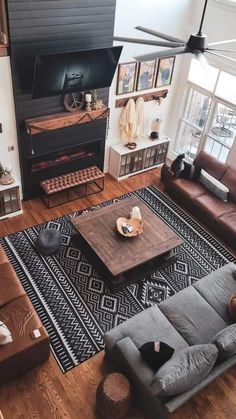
(64, 119)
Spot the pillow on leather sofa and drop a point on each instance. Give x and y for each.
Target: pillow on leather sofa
(225, 341)
(213, 185)
(185, 369)
(5, 334)
(232, 306)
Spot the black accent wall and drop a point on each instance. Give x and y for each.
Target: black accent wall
(41, 27)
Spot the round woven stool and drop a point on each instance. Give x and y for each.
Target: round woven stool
(48, 241)
(114, 396)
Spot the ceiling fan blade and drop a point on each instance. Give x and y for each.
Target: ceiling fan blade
(221, 50)
(220, 55)
(228, 41)
(162, 54)
(203, 60)
(160, 35)
(147, 42)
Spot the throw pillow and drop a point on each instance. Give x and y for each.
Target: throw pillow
(232, 306)
(190, 171)
(185, 369)
(214, 186)
(5, 334)
(155, 354)
(225, 341)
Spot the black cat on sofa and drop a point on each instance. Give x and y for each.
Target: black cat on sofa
(183, 169)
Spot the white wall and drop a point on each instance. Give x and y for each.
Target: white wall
(7, 118)
(169, 16)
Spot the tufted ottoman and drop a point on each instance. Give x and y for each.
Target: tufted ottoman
(48, 241)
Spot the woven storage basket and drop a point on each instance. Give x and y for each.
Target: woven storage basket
(114, 396)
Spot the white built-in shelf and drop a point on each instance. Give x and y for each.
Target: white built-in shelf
(10, 202)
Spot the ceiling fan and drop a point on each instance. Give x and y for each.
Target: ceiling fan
(197, 44)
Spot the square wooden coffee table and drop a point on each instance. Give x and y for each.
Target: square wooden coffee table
(122, 260)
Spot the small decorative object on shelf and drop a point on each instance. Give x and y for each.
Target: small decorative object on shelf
(10, 203)
(129, 227)
(154, 135)
(131, 145)
(6, 177)
(96, 103)
(73, 101)
(88, 99)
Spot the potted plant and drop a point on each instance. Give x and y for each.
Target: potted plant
(6, 175)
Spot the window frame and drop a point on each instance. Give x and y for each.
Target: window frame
(215, 100)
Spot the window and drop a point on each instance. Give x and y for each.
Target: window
(208, 120)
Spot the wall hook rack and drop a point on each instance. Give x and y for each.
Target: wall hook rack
(160, 94)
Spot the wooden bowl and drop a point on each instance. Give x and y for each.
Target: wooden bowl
(136, 224)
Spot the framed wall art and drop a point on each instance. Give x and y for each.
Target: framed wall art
(165, 71)
(126, 78)
(146, 72)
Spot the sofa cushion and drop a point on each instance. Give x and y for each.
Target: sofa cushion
(10, 286)
(225, 341)
(3, 256)
(214, 186)
(232, 306)
(189, 189)
(20, 317)
(212, 166)
(229, 179)
(217, 287)
(212, 205)
(185, 369)
(146, 326)
(191, 315)
(227, 225)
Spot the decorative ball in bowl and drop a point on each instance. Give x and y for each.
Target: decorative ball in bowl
(131, 227)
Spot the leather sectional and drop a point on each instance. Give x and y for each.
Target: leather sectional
(18, 314)
(217, 215)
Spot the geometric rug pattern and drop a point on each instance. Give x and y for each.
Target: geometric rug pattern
(73, 302)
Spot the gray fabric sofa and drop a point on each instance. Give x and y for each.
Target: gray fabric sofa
(190, 317)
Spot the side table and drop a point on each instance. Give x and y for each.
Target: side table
(114, 396)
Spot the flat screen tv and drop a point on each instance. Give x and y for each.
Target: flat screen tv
(75, 71)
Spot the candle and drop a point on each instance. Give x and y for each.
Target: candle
(88, 97)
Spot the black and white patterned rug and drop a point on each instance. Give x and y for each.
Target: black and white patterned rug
(74, 303)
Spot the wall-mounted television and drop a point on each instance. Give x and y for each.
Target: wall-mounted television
(75, 71)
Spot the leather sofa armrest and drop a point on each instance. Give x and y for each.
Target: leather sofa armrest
(135, 367)
(166, 174)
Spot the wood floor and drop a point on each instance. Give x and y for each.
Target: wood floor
(46, 392)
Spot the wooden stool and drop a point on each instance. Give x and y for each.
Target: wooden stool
(114, 396)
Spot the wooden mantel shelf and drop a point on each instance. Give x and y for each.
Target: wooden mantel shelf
(63, 120)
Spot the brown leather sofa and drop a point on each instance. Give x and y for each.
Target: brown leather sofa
(217, 215)
(17, 312)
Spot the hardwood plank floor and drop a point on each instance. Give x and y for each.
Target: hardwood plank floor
(46, 392)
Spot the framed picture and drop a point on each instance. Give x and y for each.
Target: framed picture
(165, 71)
(146, 73)
(126, 78)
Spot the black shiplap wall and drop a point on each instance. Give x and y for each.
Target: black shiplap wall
(40, 27)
